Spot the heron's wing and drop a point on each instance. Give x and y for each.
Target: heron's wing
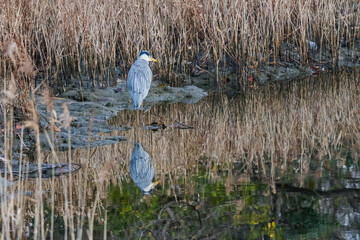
(139, 80)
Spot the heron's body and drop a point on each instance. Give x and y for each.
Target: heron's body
(141, 169)
(139, 78)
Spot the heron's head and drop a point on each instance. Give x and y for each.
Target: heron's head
(145, 55)
(149, 188)
(138, 145)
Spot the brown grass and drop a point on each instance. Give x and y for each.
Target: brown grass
(269, 128)
(74, 38)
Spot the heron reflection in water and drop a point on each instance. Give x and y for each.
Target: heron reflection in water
(142, 170)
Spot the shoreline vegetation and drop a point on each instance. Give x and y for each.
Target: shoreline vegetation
(48, 47)
(61, 41)
(60, 45)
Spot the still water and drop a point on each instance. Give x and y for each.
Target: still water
(278, 162)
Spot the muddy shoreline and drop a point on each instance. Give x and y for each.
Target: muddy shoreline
(286, 67)
(92, 108)
(89, 125)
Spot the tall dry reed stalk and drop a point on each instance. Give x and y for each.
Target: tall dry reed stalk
(73, 38)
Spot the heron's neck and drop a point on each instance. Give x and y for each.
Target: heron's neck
(143, 57)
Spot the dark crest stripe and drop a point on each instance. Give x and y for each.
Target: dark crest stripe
(144, 52)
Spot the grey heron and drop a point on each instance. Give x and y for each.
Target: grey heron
(142, 170)
(139, 78)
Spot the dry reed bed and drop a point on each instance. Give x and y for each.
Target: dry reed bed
(73, 38)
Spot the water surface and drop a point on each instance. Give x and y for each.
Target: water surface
(278, 162)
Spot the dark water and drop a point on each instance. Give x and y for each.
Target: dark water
(236, 206)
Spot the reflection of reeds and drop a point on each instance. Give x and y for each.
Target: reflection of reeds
(276, 124)
(267, 129)
(71, 38)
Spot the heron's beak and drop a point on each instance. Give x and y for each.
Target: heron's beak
(153, 185)
(153, 59)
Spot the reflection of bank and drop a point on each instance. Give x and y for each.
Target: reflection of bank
(142, 170)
